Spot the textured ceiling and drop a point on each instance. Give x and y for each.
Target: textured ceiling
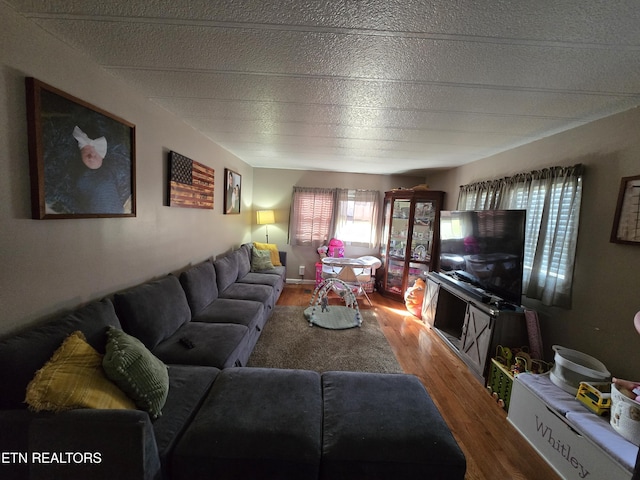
(371, 86)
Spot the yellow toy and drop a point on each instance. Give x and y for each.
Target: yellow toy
(595, 396)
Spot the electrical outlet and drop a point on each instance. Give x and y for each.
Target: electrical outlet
(301, 270)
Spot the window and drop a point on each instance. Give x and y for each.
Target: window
(552, 199)
(311, 216)
(357, 217)
(318, 214)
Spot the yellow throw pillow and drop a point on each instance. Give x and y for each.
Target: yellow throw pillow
(73, 378)
(273, 250)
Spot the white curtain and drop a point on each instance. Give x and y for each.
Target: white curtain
(552, 199)
(356, 217)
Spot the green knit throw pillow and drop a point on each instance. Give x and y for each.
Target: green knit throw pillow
(138, 373)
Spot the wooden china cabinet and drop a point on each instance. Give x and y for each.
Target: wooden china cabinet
(410, 238)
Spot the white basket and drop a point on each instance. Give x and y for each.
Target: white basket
(625, 416)
(572, 367)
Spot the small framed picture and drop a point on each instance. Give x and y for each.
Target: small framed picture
(82, 158)
(626, 223)
(233, 189)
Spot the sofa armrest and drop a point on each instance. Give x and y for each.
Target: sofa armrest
(14, 443)
(95, 444)
(283, 258)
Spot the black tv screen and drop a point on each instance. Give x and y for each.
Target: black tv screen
(485, 248)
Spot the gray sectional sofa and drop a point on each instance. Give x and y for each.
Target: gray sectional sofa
(220, 419)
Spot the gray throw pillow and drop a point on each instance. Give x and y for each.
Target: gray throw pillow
(260, 260)
(138, 373)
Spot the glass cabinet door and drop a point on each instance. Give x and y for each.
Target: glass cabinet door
(422, 233)
(395, 276)
(416, 270)
(399, 245)
(399, 233)
(385, 231)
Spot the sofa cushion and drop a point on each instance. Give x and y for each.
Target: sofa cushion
(226, 271)
(260, 260)
(272, 249)
(255, 423)
(227, 310)
(257, 278)
(23, 353)
(258, 293)
(243, 255)
(73, 378)
(188, 386)
(214, 345)
(400, 432)
(153, 311)
(140, 374)
(280, 271)
(200, 286)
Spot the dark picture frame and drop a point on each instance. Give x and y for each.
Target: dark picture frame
(626, 223)
(81, 157)
(232, 191)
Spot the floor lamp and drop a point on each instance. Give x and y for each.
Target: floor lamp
(266, 218)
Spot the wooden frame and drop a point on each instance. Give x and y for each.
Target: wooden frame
(626, 223)
(191, 183)
(232, 191)
(82, 158)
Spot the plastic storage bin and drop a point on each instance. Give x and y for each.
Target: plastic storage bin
(572, 367)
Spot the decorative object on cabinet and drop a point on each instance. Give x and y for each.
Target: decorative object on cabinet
(233, 190)
(626, 223)
(190, 183)
(409, 239)
(82, 158)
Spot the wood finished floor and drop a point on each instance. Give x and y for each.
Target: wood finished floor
(492, 446)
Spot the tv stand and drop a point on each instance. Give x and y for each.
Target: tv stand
(471, 322)
(470, 289)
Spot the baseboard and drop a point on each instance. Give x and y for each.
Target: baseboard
(300, 281)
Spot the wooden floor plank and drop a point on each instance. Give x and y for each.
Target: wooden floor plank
(492, 446)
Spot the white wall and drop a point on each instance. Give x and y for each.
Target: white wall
(52, 265)
(606, 292)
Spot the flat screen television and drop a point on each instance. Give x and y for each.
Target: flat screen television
(485, 249)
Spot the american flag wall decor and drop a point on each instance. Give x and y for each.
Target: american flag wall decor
(190, 183)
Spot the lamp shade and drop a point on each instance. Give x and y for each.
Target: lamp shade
(266, 217)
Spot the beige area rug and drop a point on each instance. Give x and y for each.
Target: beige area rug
(289, 342)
